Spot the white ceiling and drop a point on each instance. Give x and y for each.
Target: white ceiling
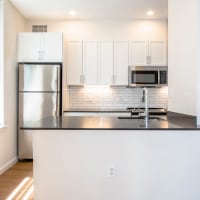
(91, 9)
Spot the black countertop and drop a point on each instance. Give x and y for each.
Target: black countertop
(170, 122)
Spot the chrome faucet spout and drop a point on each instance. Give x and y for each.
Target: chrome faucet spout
(145, 100)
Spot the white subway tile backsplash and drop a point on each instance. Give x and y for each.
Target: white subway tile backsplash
(115, 97)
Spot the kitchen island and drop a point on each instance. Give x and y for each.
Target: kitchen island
(90, 158)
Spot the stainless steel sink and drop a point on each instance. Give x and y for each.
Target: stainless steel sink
(149, 118)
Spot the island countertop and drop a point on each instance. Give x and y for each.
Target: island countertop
(169, 122)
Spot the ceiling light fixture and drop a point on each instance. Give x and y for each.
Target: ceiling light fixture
(72, 13)
(150, 13)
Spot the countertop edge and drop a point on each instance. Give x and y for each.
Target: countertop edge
(175, 122)
(147, 129)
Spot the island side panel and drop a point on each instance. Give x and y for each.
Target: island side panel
(116, 165)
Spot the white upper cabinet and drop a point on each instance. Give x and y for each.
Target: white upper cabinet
(138, 52)
(157, 52)
(147, 53)
(40, 47)
(52, 46)
(90, 62)
(75, 63)
(106, 62)
(29, 47)
(121, 55)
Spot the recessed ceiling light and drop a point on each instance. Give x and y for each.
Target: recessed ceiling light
(150, 13)
(72, 13)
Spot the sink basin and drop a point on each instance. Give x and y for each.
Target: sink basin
(141, 117)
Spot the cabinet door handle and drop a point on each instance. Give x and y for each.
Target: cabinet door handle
(113, 79)
(42, 55)
(148, 59)
(82, 79)
(39, 55)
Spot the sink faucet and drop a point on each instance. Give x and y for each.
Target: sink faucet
(145, 100)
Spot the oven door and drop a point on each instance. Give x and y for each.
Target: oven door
(143, 78)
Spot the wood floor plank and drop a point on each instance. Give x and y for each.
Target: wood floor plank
(19, 178)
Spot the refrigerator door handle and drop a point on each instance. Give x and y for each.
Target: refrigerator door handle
(21, 77)
(58, 79)
(57, 105)
(56, 84)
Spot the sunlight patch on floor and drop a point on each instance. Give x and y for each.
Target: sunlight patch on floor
(24, 191)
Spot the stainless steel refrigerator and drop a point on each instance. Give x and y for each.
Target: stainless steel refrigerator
(39, 97)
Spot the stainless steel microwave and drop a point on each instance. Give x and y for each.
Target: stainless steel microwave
(152, 76)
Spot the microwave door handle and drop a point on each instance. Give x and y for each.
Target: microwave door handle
(158, 77)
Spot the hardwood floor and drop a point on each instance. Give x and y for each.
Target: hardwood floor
(17, 182)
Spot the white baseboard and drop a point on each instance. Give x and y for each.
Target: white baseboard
(7, 165)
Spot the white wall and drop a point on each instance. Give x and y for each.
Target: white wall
(198, 65)
(104, 30)
(14, 22)
(182, 56)
(107, 30)
(1, 65)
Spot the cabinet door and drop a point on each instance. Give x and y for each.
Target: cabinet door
(106, 58)
(74, 63)
(121, 63)
(90, 60)
(157, 52)
(138, 52)
(29, 47)
(52, 47)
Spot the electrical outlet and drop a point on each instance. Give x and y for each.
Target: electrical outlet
(111, 171)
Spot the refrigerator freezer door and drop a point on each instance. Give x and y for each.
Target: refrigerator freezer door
(39, 77)
(35, 106)
(25, 149)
